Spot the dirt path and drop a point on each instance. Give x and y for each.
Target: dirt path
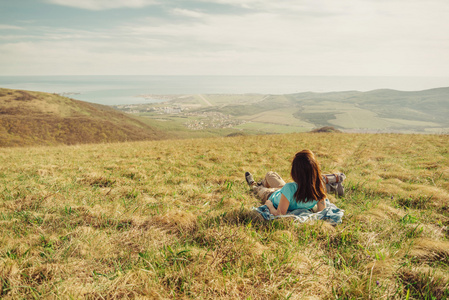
(205, 100)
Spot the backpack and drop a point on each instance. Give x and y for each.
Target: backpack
(334, 183)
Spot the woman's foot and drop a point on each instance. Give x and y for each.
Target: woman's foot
(249, 179)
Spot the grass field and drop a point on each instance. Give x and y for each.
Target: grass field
(262, 128)
(173, 219)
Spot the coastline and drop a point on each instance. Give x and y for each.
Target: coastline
(129, 89)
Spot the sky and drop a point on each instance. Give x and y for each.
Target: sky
(225, 37)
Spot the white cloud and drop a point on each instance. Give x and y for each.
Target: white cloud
(103, 4)
(270, 43)
(350, 37)
(188, 13)
(319, 7)
(9, 27)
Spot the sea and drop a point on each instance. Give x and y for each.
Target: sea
(117, 90)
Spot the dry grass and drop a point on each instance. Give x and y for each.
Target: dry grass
(173, 219)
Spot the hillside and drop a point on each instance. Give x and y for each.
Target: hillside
(173, 220)
(417, 111)
(351, 111)
(35, 118)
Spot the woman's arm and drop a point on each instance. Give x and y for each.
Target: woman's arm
(282, 207)
(321, 205)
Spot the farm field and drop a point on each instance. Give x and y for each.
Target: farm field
(173, 219)
(269, 127)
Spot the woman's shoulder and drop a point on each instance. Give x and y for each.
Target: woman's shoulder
(289, 189)
(291, 185)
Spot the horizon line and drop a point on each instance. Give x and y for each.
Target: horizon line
(214, 75)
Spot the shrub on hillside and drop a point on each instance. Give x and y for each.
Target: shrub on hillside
(325, 129)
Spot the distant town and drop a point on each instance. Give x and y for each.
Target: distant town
(195, 119)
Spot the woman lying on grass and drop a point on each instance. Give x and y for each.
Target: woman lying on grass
(305, 192)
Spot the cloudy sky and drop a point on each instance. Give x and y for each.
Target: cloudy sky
(225, 37)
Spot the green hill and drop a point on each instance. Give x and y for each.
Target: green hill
(392, 110)
(35, 118)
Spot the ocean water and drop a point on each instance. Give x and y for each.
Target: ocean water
(114, 90)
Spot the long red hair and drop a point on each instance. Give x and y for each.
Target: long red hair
(306, 173)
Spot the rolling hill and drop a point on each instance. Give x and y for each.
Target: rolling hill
(386, 111)
(417, 111)
(35, 118)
